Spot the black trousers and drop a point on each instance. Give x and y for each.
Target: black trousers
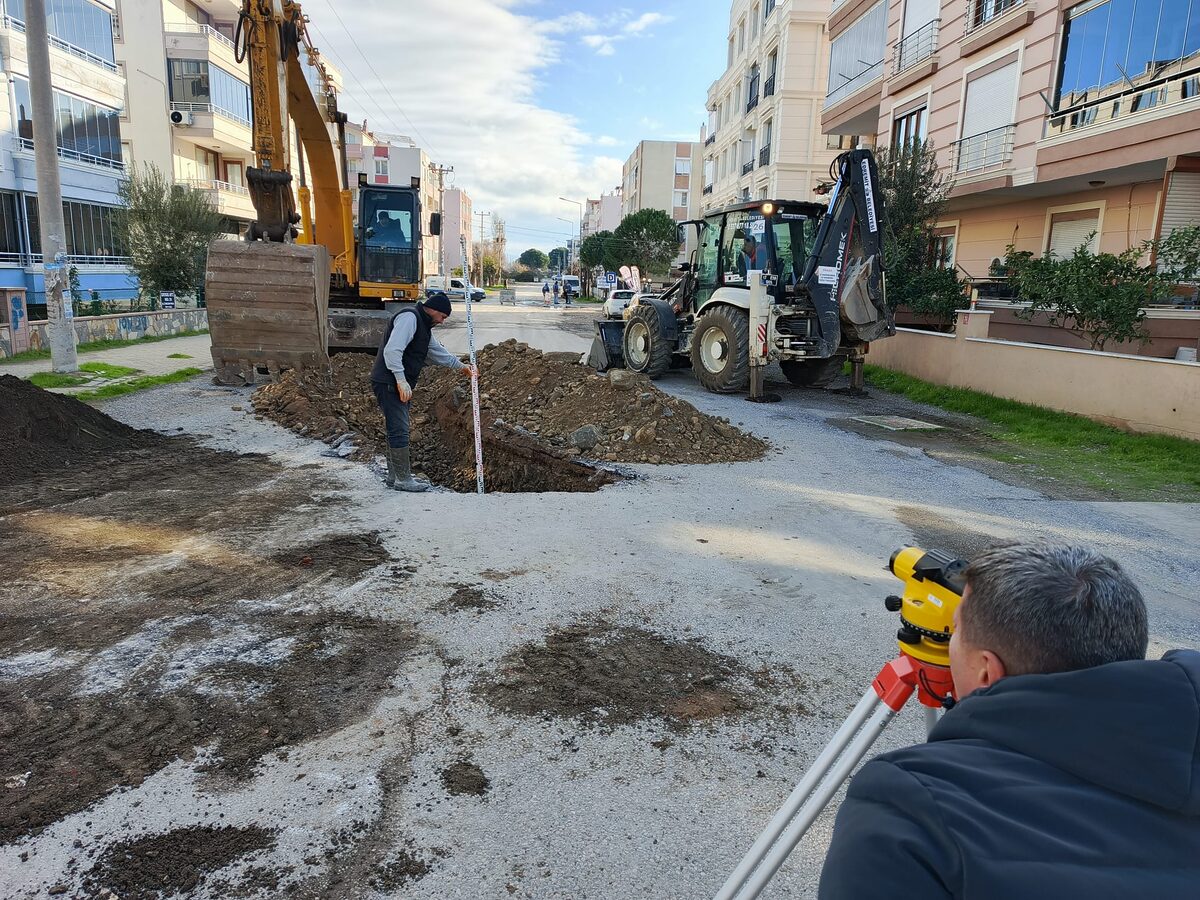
(395, 414)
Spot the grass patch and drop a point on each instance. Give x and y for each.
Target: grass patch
(179, 356)
(1064, 445)
(137, 384)
(90, 346)
(108, 370)
(56, 379)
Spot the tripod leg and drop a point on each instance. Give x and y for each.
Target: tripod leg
(812, 778)
(796, 829)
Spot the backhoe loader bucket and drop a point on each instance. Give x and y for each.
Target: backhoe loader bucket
(607, 352)
(268, 307)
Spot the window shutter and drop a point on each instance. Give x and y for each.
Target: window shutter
(918, 14)
(1182, 206)
(1067, 234)
(989, 101)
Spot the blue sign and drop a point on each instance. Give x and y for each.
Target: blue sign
(610, 278)
(167, 299)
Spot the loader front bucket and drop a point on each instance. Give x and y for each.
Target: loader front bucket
(607, 352)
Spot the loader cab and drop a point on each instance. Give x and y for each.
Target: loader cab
(389, 242)
(774, 236)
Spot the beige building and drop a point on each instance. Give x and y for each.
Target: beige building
(763, 137)
(456, 225)
(601, 215)
(1056, 121)
(658, 175)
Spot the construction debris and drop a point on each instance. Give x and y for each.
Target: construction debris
(542, 414)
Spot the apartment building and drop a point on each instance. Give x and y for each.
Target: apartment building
(763, 137)
(456, 225)
(658, 175)
(89, 94)
(601, 215)
(1059, 123)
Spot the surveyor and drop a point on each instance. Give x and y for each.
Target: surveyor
(1068, 768)
(408, 344)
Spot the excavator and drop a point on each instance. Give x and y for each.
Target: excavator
(784, 281)
(305, 281)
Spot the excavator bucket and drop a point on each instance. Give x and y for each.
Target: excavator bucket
(268, 309)
(607, 351)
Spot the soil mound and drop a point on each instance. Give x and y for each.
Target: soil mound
(546, 405)
(43, 432)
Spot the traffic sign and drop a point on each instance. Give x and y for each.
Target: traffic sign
(166, 299)
(610, 278)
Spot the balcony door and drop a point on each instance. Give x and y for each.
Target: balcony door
(918, 32)
(987, 117)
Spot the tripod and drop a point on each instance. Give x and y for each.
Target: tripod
(933, 589)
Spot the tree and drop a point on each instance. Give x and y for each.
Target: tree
(166, 229)
(598, 251)
(491, 269)
(533, 259)
(915, 191)
(648, 239)
(558, 258)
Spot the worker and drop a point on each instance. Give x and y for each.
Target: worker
(753, 256)
(408, 344)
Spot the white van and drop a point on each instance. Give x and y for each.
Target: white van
(456, 289)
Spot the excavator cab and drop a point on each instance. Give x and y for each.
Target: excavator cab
(389, 242)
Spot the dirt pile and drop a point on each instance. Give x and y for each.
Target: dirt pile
(541, 411)
(44, 432)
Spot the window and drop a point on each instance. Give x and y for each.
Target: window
(10, 224)
(741, 36)
(752, 80)
(743, 248)
(856, 55)
(709, 171)
(730, 60)
(983, 11)
(84, 26)
(1103, 42)
(841, 141)
(943, 247)
(987, 119)
(196, 81)
(754, 16)
(683, 165)
(768, 8)
(909, 128)
(83, 127)
(235, 173)
(681, 199)
(88, 226)
(206, 164)
(1071, 230)
(381, 167)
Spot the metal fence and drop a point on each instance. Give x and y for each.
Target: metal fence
(914, 48)
(983, 151)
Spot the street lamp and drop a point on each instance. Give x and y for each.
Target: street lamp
(578, 203)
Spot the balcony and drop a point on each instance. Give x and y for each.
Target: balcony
(764, 156)
(1154, 99)
(982, 152)
(748, 167)
(191, 41)
(214, 128)
(915, 48)
(769, 87)
(983, 12)
(988, 21)
(25, 145)
(708, 189)
(67, 47)
(850, 86)
(710, 140)
(229, 199)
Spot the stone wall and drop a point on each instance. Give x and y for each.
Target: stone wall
(120, 327)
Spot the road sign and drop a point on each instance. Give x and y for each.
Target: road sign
(166, 299)
(610, 278)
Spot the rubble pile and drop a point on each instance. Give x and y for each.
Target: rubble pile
(549, 407)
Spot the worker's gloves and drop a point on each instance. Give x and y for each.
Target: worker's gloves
(403, 390)
(469, 372)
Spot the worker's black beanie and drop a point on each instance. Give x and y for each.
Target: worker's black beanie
(440, 302)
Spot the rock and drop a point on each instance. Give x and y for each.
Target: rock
(622, 379)
(535, 381)
(725, 430)
(585, 437)
(646, 434)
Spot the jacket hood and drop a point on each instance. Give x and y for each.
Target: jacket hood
(1130, 727)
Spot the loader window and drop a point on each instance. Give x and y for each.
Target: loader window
(708, 267)
(388, 240)
(743, 247)
(795, 237)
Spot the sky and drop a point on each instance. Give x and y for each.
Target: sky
(529, 100)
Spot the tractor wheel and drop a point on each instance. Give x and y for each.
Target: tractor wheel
(647, 349)
(813, 373)
(721, 350)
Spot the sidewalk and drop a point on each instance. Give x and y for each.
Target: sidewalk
(151, 358)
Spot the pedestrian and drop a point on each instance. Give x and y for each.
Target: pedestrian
(408, 344)
(546, 293)
(556, 293)
(1068, 768)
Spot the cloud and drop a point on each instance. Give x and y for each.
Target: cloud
(644, 21)
(467, 92)
(606, 140)
(620, 27)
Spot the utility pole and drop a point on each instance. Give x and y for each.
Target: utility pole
(441, 172)
(50, 207)
(479, 252)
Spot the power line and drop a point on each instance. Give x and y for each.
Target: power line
(350, 72)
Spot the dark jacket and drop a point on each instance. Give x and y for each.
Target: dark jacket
(414, 353)
(1078, 785)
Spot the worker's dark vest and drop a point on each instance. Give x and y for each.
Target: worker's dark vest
(414, 353)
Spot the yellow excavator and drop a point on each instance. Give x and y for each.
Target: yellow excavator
(305, 281)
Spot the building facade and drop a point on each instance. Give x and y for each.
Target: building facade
(89, 96)
(763, 137)
(658, 175)
(1060, 124)
(456, 225)
(396, 159)
(601, 215)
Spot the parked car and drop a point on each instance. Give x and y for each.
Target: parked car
(615, 305)
(454, 287)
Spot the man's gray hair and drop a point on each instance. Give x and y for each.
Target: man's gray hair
(1046, 608)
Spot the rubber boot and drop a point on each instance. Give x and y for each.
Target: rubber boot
(404, 481)
(390, 478)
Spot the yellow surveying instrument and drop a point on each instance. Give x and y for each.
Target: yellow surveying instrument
(933, 588)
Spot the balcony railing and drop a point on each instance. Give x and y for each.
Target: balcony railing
(748, 167)
(711, 139)
(65, 46)
(192, 28)
(86, 159)
(209, 108)
(988, 150)
(850, 86)
(1164, 92)
(764, 156)
(915, 48)
(212, 184)
(769, 87)
(708, 189)
(980, 12)
(35, 259)
(752, 94)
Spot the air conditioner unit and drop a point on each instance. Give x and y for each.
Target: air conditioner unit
(181, 119)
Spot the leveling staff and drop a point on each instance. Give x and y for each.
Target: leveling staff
(407, 345)
(1070, 767)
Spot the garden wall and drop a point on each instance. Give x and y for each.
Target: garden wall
(120, 327)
